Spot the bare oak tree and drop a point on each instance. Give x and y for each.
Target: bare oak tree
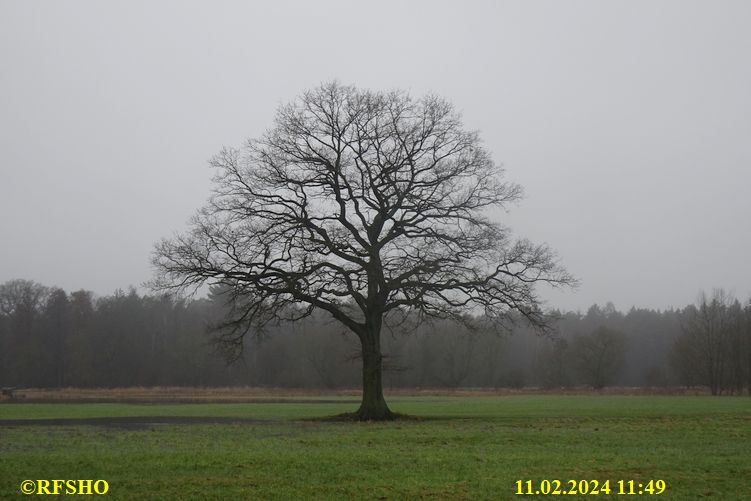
(369, 206)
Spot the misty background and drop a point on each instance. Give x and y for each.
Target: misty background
(627, 123)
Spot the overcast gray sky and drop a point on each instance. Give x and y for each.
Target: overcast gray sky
(628, 123)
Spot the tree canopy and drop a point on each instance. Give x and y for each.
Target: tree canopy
(366, 205)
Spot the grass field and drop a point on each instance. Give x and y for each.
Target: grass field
(463, 447)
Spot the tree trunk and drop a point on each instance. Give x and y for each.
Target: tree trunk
(373, 406)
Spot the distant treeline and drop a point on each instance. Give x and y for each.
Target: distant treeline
(51, 338)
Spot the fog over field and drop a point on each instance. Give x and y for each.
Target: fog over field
(627, 124)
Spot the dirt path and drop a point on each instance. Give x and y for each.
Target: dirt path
(169, 401)
(131, 421)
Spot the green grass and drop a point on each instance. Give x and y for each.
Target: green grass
(465, 448)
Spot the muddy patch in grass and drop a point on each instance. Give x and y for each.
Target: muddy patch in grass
(132, 421)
